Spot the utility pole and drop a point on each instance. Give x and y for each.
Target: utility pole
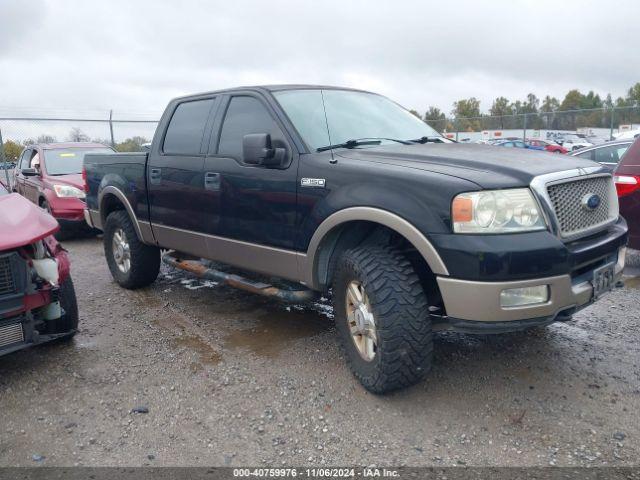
(113, 142)
(4, 161)
(613, 111)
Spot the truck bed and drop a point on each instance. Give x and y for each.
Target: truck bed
(125, 171)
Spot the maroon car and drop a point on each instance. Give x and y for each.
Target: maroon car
(627, 178)
(37, 299)
(50, 175)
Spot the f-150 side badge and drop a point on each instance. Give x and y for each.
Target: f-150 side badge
(312, 182)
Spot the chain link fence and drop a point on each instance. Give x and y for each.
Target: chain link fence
(603, 123)
(129, 132)
(125, 134)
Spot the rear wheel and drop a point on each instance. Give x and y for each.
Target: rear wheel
(132, 263)
(382, 318)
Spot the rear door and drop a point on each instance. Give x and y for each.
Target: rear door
(175, 178)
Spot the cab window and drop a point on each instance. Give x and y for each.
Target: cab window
(186, 128)
(246, 115)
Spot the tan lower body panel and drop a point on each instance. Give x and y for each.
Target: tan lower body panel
(250, 256)
(470, 300)
(480, 301)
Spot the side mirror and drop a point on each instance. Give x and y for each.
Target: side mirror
(257, 150)
(30, 172)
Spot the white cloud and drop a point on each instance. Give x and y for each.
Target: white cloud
(135, 56)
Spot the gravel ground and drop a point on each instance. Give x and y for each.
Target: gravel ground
(229, 378)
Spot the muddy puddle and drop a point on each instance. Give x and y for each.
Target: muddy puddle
(206, 353)
(632, 282)
(275, 329)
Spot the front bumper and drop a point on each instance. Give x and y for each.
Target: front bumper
(472, 301)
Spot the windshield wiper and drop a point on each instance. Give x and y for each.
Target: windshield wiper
(426, 140)
(360, 142)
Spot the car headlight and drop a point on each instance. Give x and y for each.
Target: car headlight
(497, 211)
(68, 191)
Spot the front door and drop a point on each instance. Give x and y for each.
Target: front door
(19, 178)
(251, 209)
(251, 203)
(33, 184)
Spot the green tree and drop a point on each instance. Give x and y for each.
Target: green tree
(467, 114)
(133, 144)
(633, 95)
(12, 150)
(532, 104)
(572, 100)
(415, 112)
(500, 108)
(550, 104)
(436, 118)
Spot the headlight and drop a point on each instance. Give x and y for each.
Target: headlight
(68, 191)
(497, 211)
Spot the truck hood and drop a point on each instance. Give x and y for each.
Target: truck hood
(22, 222)
(485, 165)
(72, 179)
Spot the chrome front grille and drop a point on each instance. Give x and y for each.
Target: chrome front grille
(7, 281)
(10, 334)
(568, 200)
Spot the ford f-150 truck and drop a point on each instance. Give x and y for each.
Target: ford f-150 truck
(344, 192)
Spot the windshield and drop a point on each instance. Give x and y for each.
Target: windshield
(330, 117)
(65, 161)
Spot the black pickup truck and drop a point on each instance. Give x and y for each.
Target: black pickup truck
(344, 192)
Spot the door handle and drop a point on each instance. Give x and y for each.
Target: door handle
(212, 181)
(155, 176)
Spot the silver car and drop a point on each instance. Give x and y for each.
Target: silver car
(607, 154)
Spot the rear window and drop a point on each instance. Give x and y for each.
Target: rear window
(66, 161)
(186, 128)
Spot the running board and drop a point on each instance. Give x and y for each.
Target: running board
(200, 271)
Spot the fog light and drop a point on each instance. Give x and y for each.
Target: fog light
(515, 297)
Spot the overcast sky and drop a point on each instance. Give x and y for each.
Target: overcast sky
(134, 55)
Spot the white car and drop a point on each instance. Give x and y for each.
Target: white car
(574, 142)
(628, 135)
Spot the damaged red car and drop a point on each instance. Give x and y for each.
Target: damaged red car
(37, 298)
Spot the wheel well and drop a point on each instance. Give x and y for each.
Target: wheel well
(110, 203)
(358, 233)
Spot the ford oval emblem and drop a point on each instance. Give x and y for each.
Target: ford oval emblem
(591, 201)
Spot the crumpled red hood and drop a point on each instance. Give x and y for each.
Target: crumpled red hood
(22, 222)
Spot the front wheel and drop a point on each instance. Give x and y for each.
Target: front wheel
(69, 305)
(382, 318)
(132, 263)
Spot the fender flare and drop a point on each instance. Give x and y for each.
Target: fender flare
(376, 215)
(111, 190)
